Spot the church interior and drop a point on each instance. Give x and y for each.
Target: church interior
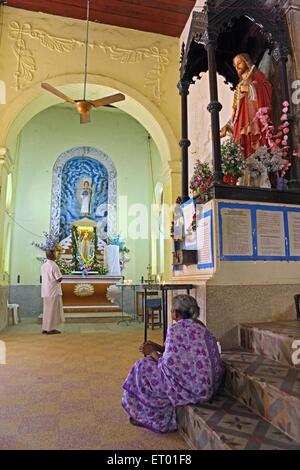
(152, 148)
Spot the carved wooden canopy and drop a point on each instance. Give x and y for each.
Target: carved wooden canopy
(236, 26)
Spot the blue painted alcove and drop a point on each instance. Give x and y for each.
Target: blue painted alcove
(71, 169)
(75, 172)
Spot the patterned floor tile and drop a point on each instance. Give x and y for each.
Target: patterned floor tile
(231, 427)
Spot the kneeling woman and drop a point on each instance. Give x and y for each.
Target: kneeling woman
(187, 370)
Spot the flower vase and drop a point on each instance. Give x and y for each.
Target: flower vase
(280, 184)
(273, 179)
(233, 180)
(230, 179)
(262, 181)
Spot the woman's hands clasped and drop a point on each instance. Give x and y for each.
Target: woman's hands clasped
(149, 347)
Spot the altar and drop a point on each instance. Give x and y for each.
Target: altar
(88, 294)
(89, 253)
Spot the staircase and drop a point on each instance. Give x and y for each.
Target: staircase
(259, 407)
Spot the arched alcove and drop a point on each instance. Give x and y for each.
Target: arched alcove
(70, 169)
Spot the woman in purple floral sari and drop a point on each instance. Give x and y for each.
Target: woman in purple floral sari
(187, 370)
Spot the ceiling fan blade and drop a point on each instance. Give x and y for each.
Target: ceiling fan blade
(85, 118)
(58, 93)
(108, 100)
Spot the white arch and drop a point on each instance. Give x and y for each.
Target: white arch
(34, 99)
(98, 155)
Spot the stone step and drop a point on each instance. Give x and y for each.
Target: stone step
(226, 424)
(275, 340)
(95, 317)
(268, 388)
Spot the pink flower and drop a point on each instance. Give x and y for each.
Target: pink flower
(286, 104)
(278, 141)
(283, 117)
(286, 130)
(285, 110)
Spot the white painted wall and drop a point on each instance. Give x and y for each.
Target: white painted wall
(43, 139)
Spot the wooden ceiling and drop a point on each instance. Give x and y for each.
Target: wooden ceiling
(158, 16)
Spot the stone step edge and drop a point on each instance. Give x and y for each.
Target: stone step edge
(208, 428)
(263, 385)
(256, 329)
(262, 382)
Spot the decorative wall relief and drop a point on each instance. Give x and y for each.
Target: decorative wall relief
(26, 63)
(135, 56)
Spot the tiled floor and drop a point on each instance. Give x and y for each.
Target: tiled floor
(64, 391)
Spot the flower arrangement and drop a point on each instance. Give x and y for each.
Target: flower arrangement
(91, 266)
(50, 243)
(233, 161)
(271, 158)
(201, 180)
(267, 160)
(64, 267)
(116, 240)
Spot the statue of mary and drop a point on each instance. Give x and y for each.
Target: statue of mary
(86, 196)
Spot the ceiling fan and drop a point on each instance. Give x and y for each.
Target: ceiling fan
(84, 106)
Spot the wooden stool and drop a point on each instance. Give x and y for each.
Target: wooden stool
(154, 313)
(140, 300)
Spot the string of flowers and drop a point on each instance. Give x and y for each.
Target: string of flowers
(277, 143)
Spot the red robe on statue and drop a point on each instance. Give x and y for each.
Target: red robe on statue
(246, 127)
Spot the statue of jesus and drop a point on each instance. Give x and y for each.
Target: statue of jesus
(86, 196)
(253, 92)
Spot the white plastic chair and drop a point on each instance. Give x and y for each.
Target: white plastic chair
(13, 310)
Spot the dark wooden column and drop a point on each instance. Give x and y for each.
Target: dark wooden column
(214, 107)
(183, 87)
(280, 55)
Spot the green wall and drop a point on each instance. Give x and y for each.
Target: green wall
(42, 140)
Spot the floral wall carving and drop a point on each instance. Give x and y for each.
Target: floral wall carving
(26, 67)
